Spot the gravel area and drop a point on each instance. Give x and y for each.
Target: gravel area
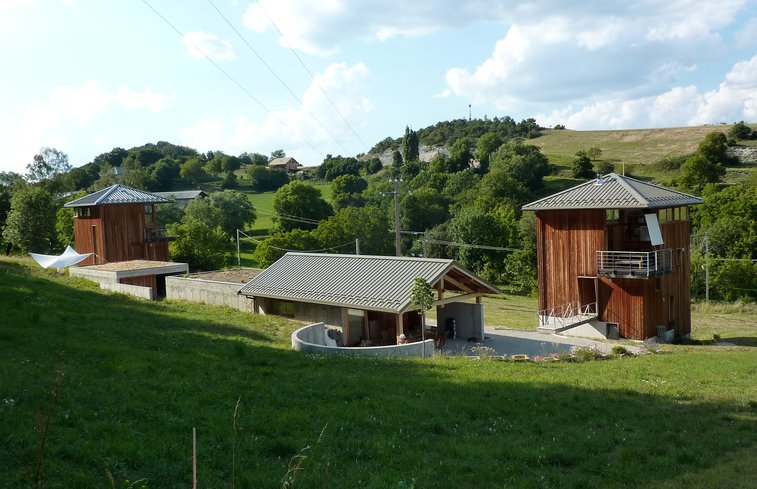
(238, 275)
(121, 266)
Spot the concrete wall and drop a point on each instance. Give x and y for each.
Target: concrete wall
(469, 319)
(99, 276)
(207, 292)
(133, 290)
(591, 329)
(312, 339)
(304, 311)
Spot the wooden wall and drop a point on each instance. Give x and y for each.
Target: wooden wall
(567, 242)
(144, 281)
(84, 239)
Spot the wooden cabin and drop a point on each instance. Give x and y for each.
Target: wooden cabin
(117, 224)
(614, 253)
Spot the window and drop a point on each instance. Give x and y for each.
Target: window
(677, 214)
(684, 213)
(663, 215)
(148, 209)
(83, 212)
(612, 215)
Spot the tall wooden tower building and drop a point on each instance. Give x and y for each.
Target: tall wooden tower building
(613, 254)
(119, 223)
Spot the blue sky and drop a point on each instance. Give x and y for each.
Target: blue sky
(84, 76)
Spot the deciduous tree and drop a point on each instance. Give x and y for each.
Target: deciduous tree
(30, 224)
(299, 205)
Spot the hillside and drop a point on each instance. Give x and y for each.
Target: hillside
(634, 146)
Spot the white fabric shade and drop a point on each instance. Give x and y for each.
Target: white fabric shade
(68, 258)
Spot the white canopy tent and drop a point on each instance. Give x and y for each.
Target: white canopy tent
(68, 258)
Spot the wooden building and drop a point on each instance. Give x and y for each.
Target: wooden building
(117, 224)
(286, 163)
(369, 297)
(614, 254)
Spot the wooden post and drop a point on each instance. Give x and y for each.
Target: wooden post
(346, 326)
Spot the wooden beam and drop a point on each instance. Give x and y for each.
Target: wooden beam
(456, 298)
(458, 284)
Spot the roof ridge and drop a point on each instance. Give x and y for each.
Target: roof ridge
(381, 257)
(622, 182)
(107, 193)
(571, 189)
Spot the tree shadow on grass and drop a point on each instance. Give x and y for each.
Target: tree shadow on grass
(138, 380)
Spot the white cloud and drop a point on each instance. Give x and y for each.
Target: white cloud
(147, 99)
(295, 128)
(65, 113)
(734, 99)
(747, 36)
(201, 44)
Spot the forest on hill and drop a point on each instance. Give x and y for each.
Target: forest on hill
(463, 204)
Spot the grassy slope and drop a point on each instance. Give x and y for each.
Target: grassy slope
(140, 375)
(632, 145)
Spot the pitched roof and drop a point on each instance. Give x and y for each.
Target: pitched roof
(282, 161)
(378, 283)
(181, 194)
(117, 194)
(614, 192)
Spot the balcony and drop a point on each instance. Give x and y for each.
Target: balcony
(155, 235)
(635, 264)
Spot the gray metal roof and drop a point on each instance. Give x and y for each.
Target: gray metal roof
(117, 194)
(378, 283)
(181, 194)
(614, 191)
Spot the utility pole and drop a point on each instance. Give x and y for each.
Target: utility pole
(706, 269)
(239, 256)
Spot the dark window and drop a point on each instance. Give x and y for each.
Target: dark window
(83, 212)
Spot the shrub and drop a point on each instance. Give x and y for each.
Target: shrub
(620, 350)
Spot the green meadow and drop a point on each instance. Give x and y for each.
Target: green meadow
(100, 390)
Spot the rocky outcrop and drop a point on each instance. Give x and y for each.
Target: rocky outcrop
(745, 154)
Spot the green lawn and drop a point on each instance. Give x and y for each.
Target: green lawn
(138, 376)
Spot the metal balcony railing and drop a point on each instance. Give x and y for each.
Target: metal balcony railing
(153, 235)
(641, 264)
(566, 315)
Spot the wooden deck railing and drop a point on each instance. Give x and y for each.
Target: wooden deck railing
(640, 264)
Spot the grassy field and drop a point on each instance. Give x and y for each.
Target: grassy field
(634, 146)
(135, 377)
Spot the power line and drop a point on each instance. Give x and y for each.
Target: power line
(467, 245)
(233, 80)
(273, 72)
(367, 148)
(351, 243)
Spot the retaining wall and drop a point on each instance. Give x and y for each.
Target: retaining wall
(312, 339)
(128, 289)
(207, 292)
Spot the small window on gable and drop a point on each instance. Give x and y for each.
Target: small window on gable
(83, 212)
(612, 215)
(684, 213)
(663, 215)
(677, 214)
(148, 209)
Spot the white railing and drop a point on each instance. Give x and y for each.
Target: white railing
(560, 317)
(635, 263)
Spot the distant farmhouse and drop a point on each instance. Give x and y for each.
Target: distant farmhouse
(614, 259)
(287, 163)
(182, 198)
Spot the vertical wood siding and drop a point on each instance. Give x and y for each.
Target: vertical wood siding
(120, 235)
(567, 242)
